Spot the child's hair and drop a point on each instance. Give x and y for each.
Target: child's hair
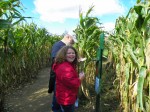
(61, 55)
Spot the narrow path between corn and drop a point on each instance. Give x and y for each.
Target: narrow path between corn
(33, 97)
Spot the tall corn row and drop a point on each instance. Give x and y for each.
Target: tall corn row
(87, 33)
(7, 13)
(131, 53)
(23, 48)
(28, 51)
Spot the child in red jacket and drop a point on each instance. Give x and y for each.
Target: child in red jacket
(67, 79)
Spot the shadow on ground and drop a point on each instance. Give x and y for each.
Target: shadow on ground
(32, 97)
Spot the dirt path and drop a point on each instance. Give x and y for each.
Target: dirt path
(33, 97)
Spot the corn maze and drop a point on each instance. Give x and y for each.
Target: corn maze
(25, 48)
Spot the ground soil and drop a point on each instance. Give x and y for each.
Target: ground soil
(33, 97)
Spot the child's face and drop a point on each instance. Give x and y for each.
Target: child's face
(70, 56)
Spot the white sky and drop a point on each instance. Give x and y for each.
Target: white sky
(61, 11)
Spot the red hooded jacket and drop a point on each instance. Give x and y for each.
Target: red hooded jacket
(67, 83)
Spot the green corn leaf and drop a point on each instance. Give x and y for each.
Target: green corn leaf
(4, 24)
(142, 75)
(133, 57)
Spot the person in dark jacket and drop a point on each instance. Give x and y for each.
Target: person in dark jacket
(67, 40)
(67, 79)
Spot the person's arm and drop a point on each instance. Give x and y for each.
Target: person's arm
(81, 76)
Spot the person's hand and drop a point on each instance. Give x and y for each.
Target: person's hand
(81, 76)
(81, 59)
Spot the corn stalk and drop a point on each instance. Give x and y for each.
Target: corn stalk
(131, 55)
(87, 33)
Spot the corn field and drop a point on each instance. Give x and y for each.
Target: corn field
(25, 48)
(131, 43)
(129, 51)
